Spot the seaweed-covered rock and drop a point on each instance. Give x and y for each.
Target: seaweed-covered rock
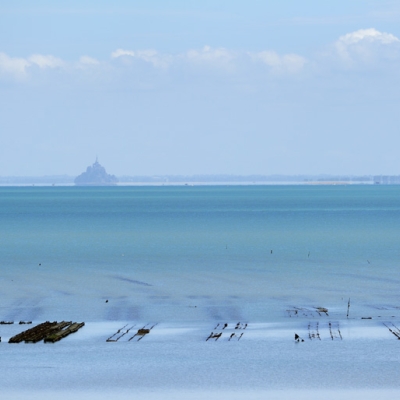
(95, 175)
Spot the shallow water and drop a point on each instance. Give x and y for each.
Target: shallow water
(189, 258)
(198, 253)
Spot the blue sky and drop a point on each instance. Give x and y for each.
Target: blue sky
(190, 87)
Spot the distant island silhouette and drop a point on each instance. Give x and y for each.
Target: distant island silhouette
(95, 175)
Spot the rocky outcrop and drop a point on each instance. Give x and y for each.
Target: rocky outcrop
(95, 175)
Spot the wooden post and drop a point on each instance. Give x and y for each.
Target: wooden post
(348, 308)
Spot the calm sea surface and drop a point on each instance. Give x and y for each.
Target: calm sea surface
(197, 253)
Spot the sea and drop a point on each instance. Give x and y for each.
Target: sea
(187, 260)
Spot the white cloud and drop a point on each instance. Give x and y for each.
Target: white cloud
(13, 66)
(150, 56)
(218, 57)
(21, 67)
(155, 58)
(215, 58)
(121, 52)
(371, 35)
(208, 53)
(45, 61)
(287, 63)
(86, 60)
(366, 46)
(354, 49)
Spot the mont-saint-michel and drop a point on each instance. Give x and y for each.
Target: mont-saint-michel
(95, 175)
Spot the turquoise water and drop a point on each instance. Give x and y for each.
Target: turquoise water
(197, 253)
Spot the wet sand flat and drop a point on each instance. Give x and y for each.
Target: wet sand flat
(174, 360)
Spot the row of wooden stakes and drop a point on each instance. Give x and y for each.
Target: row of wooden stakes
(139, 335)
(232, 335)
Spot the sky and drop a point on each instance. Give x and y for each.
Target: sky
(200, 87)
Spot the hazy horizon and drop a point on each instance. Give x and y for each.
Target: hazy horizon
(65, 179)
(235, 88)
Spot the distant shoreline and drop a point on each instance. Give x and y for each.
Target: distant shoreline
(170, 184)
(204, 180)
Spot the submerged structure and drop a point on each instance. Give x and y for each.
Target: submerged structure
(95, 175)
